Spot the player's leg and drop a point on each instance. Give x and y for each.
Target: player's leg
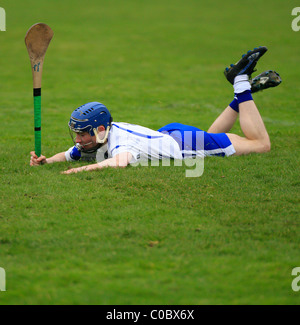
(245, 66)
(256, 136)
(227, 118)
(224, 121)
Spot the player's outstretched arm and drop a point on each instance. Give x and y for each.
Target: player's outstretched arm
(120, 160)
(35, 160)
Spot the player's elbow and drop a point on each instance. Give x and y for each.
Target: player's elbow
(123, 160)
(122, 163)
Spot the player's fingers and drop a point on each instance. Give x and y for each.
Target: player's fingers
(33, 162)
(32, 153)
(70, 171)
(41, 158)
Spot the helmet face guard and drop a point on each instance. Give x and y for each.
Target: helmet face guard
(81, 146)
(87, 118)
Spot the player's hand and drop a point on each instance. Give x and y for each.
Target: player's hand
(80, 169)
(35, 160)
(75, 170)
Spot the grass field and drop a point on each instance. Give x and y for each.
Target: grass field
(148, 235)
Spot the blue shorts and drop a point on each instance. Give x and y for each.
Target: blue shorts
(193, 141)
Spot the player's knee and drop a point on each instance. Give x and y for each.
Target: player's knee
(267, 148)
(266, 145)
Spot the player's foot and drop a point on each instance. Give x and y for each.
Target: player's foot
(246, 64)
(265, 80)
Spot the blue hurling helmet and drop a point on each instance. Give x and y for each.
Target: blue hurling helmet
(88, 117)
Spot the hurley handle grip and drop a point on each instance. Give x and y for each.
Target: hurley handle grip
(37, 121)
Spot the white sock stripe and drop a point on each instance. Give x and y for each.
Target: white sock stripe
(241, 86)
(242, 77)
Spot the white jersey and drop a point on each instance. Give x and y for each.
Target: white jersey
(143, 143)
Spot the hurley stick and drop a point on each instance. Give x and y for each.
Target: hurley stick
(37, 40)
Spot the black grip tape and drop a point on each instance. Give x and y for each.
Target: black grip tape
(37, 92)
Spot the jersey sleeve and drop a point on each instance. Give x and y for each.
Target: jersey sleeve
(73, 154)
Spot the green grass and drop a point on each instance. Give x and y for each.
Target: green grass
(148, 235)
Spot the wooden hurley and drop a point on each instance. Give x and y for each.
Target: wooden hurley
(37, 40)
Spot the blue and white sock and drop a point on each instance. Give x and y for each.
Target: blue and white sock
(235, 104)
(244, 96)
(241, 83)
(242, 91)
(242, 88)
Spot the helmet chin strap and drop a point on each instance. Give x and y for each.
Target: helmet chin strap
(98, 140)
